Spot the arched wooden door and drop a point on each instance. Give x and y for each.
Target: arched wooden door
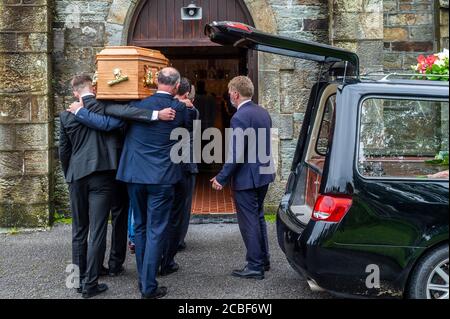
(158, 24)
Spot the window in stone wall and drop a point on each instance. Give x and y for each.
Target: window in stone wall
(402, 138)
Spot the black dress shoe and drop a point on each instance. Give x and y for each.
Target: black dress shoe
(92, 292)
(266, 266)
(248, 274)
(103, 271)
(159, 293)
(117, 273)
(169, 270)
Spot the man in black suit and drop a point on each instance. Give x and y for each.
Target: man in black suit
(181, 210)
(103, 116)
(250, 174)
(89, 160)
(147, 168)
(85, 157)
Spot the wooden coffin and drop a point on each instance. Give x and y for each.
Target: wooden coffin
(127, 73)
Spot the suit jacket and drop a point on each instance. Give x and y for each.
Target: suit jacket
(243, 174)
(192, 167)
(83, 151)
(146, 154)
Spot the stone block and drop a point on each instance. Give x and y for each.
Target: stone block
(24, 189)
(40, 106)
(32, 136)
(358, 26)
(373, 6)
(15, 108)
(87, 35)
(392, 61)
(443, 17)
(426, 46)
(35, 2)
(24, 18)
(275, 62)
(36, 162)
(287, 154)
(409, 19)
(119, 10)
(371, 54)
(61, 191)
(285, 125)
(315, 24)
(395, 34)
(113, 34)
(299, 11)
(275, 193)
(11, 164)
(8, 42)
(24, 73)
(24, 215)
(444, 31)
(7, 137)
(269, 90)
(390, 5)
(290, 24)
(347, 5)
(421, 33)
(33, 42)
(372, 25)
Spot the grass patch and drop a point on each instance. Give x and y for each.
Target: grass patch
(61, 219)
(270, 218)
(13, 231)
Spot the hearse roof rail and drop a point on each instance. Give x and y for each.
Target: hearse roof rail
(243, 36)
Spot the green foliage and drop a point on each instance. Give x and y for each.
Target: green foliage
(440, 159)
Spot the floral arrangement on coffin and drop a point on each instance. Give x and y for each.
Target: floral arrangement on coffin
(435, 64)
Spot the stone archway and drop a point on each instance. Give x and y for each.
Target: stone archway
(122, 11)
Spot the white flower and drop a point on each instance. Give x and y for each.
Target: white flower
(439, 62)
(443, 55)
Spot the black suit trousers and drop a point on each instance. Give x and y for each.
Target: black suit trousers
(119, 224)
(90, 201)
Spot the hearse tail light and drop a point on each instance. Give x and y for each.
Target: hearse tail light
(239, 26)
(331, 208)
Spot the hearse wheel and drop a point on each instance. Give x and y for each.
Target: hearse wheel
(430, 277)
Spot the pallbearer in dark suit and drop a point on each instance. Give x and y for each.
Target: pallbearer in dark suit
(86, 161)
(250, 175)
(147, 168)
(181, 210)
(103, 116)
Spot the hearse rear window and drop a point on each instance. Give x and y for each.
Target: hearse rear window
(404, 138)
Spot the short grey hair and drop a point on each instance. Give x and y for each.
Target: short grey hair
(169, 76)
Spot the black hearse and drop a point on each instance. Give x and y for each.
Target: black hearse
(365, 212)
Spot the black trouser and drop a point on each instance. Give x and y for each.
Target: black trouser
(90, 201)
(190, 184)
(252, 225)
(119, 223)
(176, 222)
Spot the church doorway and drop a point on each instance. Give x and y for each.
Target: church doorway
(157, 24)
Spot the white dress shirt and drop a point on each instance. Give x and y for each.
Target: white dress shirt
(246, 101)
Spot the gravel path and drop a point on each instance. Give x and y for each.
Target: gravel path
(33, 266)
